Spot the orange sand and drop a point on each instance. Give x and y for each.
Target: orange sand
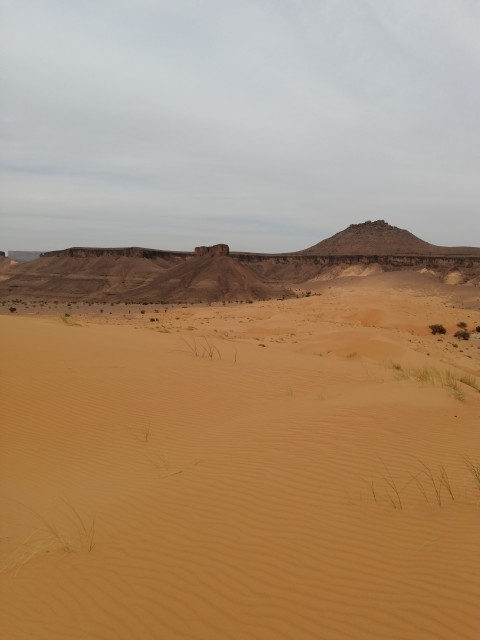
(258, 471)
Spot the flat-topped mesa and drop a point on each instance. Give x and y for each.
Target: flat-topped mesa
(114, 252)
(214, 250)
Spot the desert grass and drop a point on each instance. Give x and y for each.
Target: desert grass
(434, 485)
(69, 320)
(470, 381)
(48, 537)
(371, 488)
(430, 375)
(393, 493)
(437, 482)
(474, 468)
(85, 532)
(203, 349)
(30, 548)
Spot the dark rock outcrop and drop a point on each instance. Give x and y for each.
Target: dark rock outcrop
(115, 252)
(215, 250)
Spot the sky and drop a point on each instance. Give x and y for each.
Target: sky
(268, 125)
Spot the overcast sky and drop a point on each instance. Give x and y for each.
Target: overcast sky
(265, 124)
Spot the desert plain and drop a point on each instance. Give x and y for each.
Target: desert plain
(283, 470)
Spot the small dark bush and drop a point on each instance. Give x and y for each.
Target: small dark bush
(462, 325)
(12, 309)
(462, 334)
(437, 328)
(142, 311)
(477, 329)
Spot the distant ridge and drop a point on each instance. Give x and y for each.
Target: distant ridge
(214, 273)
(23, 256)
(379, 238)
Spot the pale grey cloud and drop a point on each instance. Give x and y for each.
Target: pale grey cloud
(265, 124)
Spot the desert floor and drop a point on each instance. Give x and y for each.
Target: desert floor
(278, 470)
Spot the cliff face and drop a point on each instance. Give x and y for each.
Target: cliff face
(116, 252)
(215, 250)
(136, 252)
(393, 261)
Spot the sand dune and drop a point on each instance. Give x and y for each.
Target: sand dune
(279, 470)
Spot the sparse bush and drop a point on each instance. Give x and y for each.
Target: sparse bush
(142, 311)
(437, 328)
(12, 309)
(462, 325)
(463, 334)
(477, 328)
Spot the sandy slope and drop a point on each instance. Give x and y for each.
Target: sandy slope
(248, 496)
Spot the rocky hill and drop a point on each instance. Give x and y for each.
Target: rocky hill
(214, 273)
(381, 239)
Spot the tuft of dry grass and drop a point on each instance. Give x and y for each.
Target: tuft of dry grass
(434, 377)
(470, 381)
(48, 537)
(474, 468)
(203, 349)
(393, 493)
(437, 482)
(69, 320)
(433, 485)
